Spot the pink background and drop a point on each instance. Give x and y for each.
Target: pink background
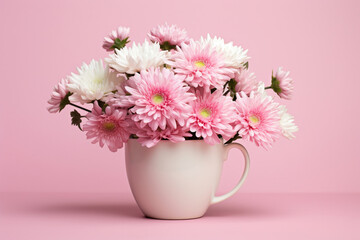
(305, 186)
(43, 41)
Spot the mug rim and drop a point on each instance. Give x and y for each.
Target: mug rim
(221, 139)
(222, 142)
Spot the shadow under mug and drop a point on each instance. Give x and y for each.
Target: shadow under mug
(178, 180)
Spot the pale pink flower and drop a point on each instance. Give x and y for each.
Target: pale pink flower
(107, 128)
(173, 35)
(282, 84)
(118, 98)
(120, 33)
(58, 94)
(160, 98)
(149, 137)
(245, 81)
(201, 65)
(258, 118)
(212, 114)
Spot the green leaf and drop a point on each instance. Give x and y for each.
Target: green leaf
(129, 75)
(76, 118)
(275, 85)
(119, 44)
(167, 46)
(193, 137)
(246, 65)
(65, 101)
(212, 90)
(232, 84)
(102, 104)
(133, 136)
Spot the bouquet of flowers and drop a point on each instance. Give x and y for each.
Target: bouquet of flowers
(175, 88)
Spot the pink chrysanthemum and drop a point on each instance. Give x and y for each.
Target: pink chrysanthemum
(282, 84)
(245, 81)
(58, 94)
(149, 138)
(160, 98)
(110, 128)
(201, 65)
(212, 114)
(173, 35)
(258, 118)
(121, 33)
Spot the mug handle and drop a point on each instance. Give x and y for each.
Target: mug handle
(217, 199)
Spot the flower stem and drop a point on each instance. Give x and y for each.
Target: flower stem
(79, 107)
(268, 87)
(237, 136)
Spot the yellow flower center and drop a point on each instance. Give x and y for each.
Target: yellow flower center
(98, 80)
(205, 113)
(199, 64)
(157, 99)
(254, 119)
(109, 126)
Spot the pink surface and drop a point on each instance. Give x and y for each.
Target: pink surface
(43, 41)
(115, 216)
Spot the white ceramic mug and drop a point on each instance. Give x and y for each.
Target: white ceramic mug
(178, 180)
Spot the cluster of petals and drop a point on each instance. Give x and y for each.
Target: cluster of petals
(168, 33)
(234, 56)
(120, 33)
(258, 118)
(287, 124)
(109, 128)
(171, 87)
(201, 65)
(92, 82)
(159, 99)
(245, 81)
(285, 83)
(118, 98)
(58, 94)
(149, 138)
(212, 115)
(136, 58)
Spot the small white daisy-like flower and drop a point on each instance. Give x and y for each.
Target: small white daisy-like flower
(136, 58)
(287, 124)
(234, 56)
(92, 82)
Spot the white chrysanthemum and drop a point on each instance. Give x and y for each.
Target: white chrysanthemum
(287, 124)
(261, 90)
(92, 82)
(234, 56)
(137, 57)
